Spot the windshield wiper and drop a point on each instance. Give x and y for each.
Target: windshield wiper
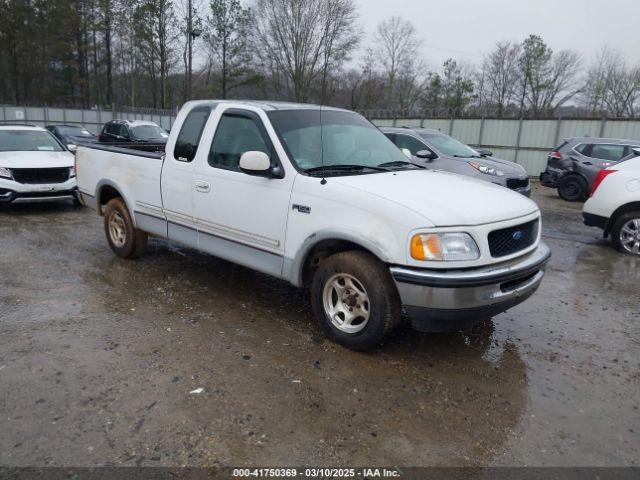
(345, 168)
(399, 163)
(466, 156)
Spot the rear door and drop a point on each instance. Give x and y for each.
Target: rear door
(240, 217)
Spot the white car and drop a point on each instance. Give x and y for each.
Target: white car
(614, 205)
(320, 197)
(34, 166)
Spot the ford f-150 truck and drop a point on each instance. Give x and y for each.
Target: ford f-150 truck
(321, 198)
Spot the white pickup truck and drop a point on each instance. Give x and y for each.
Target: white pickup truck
(321, 198)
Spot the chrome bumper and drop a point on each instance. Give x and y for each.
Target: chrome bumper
(439, 300)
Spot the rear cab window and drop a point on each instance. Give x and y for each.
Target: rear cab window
(190, 133)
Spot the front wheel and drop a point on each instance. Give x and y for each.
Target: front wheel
(124, 238)
(625, 233)
(354, 298)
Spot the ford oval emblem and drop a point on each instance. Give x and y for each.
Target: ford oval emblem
(517, 235)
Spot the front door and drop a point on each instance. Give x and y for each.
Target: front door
(240, 217)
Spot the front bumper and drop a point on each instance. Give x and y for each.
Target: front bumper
(14, 192)
(452, 300)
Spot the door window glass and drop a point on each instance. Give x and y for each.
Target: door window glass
(610, 152)
(236, 134)
(410, 143)
(190, 133)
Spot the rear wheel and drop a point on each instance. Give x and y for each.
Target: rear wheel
(573, 188)
(625, 233)
(354, 298)
(124, 239)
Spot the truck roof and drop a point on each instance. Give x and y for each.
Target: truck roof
(265, 105)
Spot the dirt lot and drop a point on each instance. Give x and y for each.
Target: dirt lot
(98, 356)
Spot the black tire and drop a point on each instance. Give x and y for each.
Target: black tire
(131, 242)
(573, 188)
(616, 231)
(383, 305)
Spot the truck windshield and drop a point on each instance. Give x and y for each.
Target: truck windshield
(449, 146)
(350, 143)
(148, 132)
(28, 141)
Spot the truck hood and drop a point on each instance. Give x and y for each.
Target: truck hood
(445, 199)
(36, 159)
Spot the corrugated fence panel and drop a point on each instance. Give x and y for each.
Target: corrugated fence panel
(467, 130)
(538, 133)
(533, 161)
(500, 132)
(579, 128)
(622, 129)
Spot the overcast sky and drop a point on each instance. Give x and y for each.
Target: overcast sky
(465, 29)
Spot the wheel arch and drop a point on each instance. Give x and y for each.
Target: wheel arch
(626, 208)
(107, 190)
(319, 246)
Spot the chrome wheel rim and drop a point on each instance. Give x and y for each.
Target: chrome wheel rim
(630, 236)
(346, 303)
(117, 229)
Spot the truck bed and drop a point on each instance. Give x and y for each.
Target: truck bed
(133, 173)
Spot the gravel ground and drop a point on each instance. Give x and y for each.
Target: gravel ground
(98, 357)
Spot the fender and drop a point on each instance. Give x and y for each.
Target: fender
(105, 182)
(293, 267)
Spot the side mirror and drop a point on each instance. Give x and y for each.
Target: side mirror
(426, 154)
(483, 152)
(407, 152)
(259, 164)
(636, 152)
(71, 147)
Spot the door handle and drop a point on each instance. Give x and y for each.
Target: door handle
(203, 187)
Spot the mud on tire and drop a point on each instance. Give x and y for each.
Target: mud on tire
(124, 239)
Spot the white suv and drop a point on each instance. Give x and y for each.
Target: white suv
(614, 205)
(34, 166)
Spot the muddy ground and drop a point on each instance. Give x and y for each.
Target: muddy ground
(98, 356)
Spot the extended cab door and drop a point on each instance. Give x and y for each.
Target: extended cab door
(239, 216)
(177, 177)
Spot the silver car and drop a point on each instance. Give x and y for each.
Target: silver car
(435, 150)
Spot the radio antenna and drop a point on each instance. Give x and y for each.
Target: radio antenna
(324, 180)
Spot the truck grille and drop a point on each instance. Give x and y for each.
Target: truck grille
(514, 183)
(40, 175)
(513, 239)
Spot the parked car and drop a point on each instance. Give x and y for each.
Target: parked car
(435, 150)
(322, 198)
(133, 131)
(573, 166)
(614, 205)
(72, 135)
(34, 166)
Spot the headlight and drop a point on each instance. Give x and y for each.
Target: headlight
(444, 247)
(5, 173)
(487, 169)
(72, 172)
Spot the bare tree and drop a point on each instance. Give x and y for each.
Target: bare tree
(500, 76)
(610, 85)
(398, 51)
(303, 38)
